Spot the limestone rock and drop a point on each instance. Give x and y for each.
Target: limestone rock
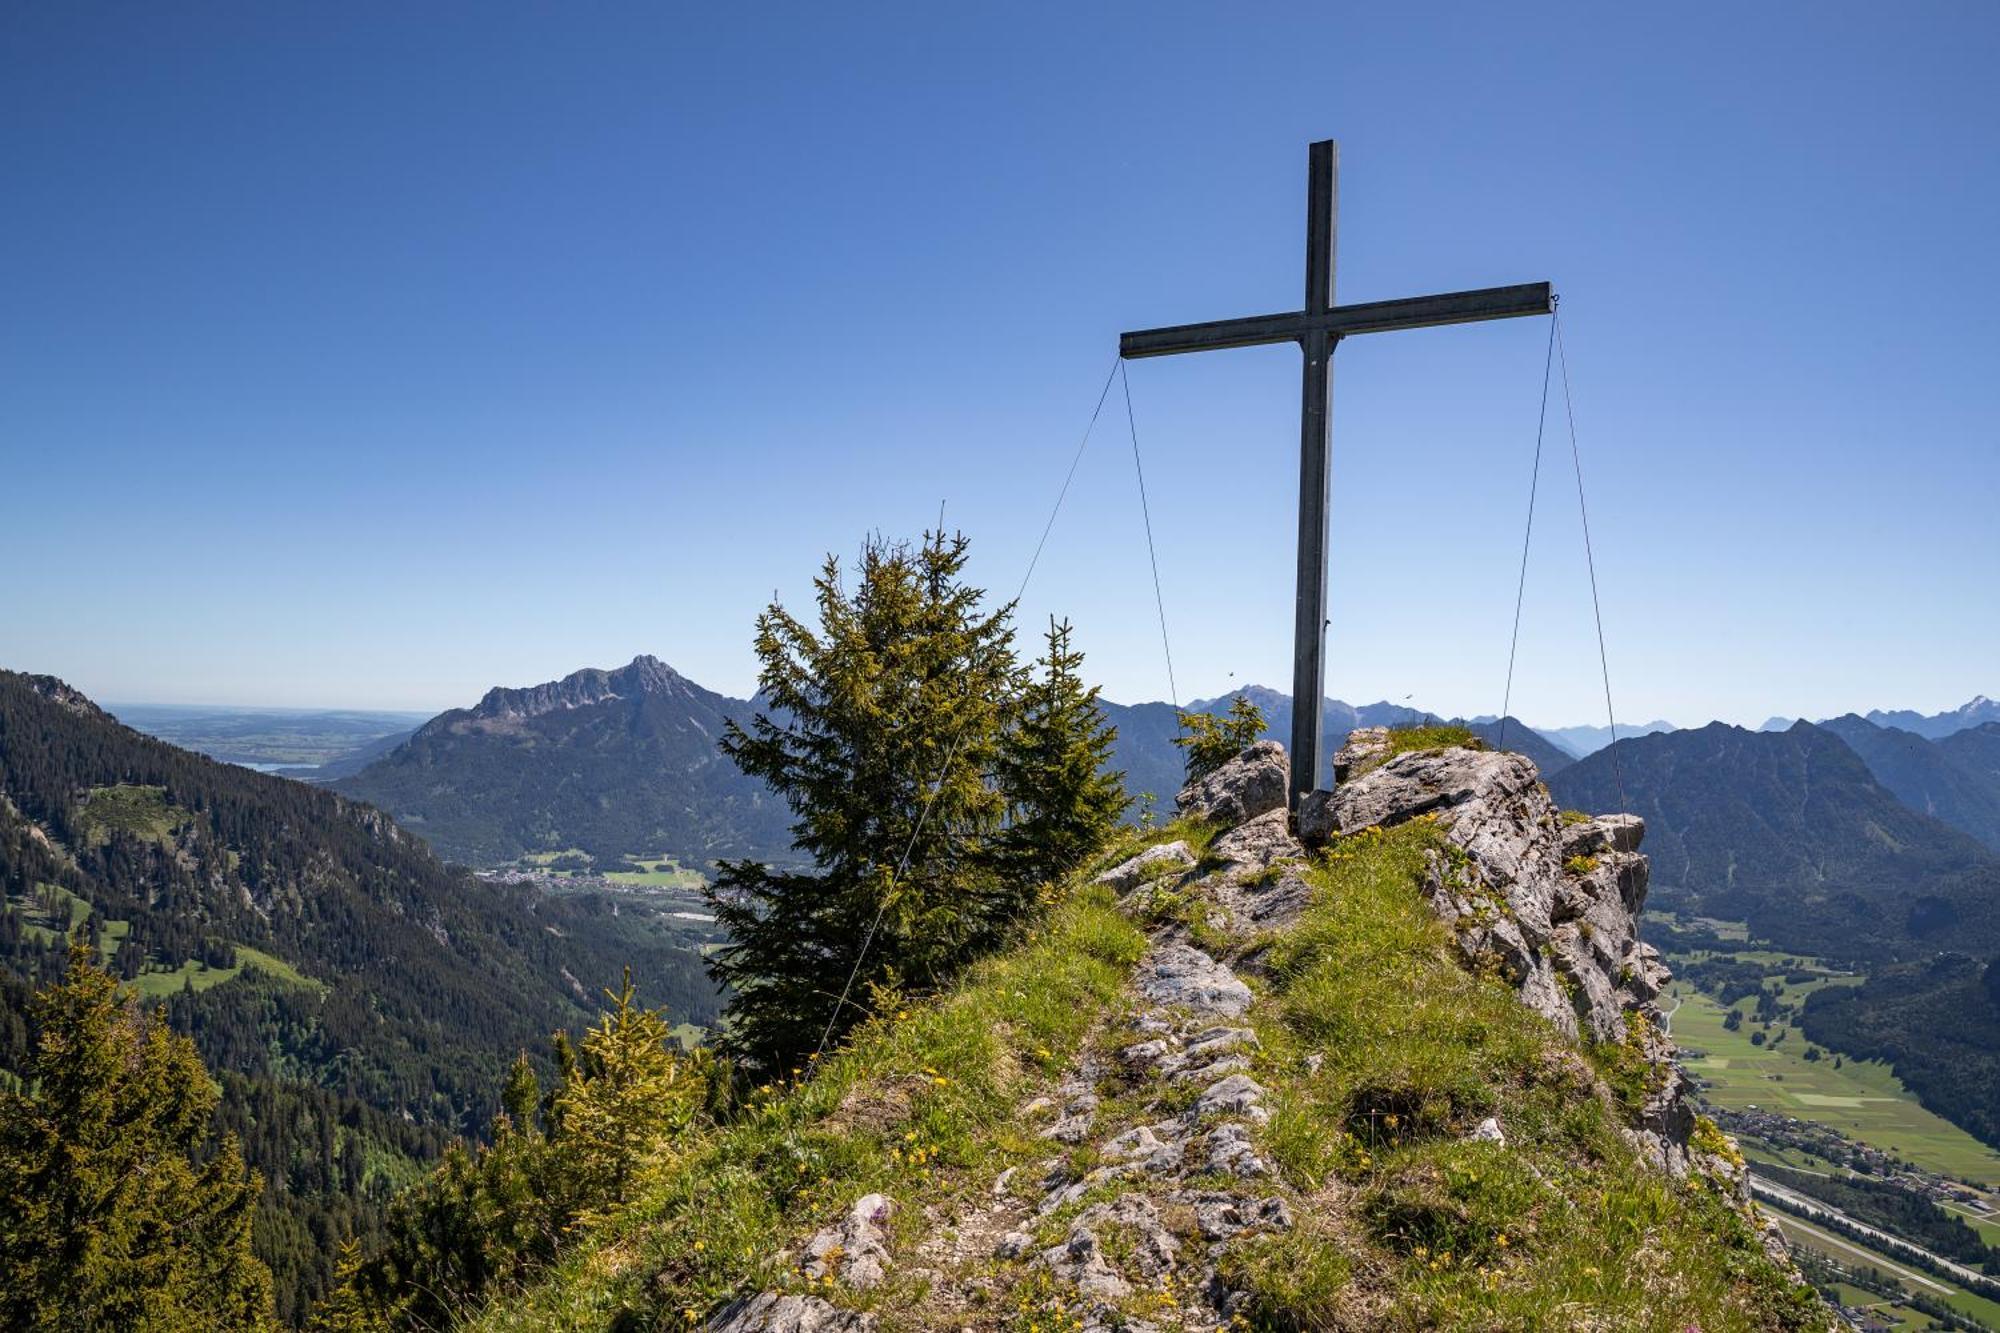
(1163, 859)
(1231, 1152)
(1254, 845)
(1181, 975)
(855, 1251)
(1554, 907)
(1247, 786)
(1221, 1216)
(1258, 880)
(1238, 1094)
(770, 1312)
(1081, 1260)
(1366, 747)
(1604, 833)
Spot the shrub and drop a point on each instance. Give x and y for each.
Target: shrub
(1209, 741)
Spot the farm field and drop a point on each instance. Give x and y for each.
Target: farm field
(659, 872)
(1863, 1100)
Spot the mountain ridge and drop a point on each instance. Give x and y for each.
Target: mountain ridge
(613, 762)
(1792, 832)
(357, 999)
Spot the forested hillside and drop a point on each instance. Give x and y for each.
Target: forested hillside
(1944, 779)
(610, 763)
(1790, 832)
(359, 1000)
(1801, 834)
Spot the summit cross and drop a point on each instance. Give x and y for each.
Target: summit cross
(1317, 330)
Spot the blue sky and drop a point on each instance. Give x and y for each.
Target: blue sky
(371, 355)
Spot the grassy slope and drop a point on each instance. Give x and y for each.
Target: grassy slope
(1402, 1223)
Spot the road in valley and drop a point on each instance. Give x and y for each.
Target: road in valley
(1796, 1202)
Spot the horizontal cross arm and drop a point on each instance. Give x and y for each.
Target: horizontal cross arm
(1414, 312)
(1420, 312)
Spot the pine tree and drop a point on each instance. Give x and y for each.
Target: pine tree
(109, 1215)
(881, 729)
(1209, 741)
(1052, 767)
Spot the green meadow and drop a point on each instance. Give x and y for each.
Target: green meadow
(659, 872)
(156, 982)
(1863, 1100)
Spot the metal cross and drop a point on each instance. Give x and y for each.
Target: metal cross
(1318, 329)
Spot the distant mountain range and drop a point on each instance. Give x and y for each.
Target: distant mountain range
(1852, 841)
(610, 763)
(624, 763)
(1582, 740)
(1792, 832)
(1955, 778)
(1931, 726)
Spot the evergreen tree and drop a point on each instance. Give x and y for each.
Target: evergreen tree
(1209, 741)
(493, 1213)
(1052, 767)
(624, 1095)
(346, 1310)
(880, 731)
(109, 1217)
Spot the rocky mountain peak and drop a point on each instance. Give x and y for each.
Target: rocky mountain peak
(64, 695)
(645, 674)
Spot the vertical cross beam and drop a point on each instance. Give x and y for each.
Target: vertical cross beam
(1309, 625)
(1317, 330)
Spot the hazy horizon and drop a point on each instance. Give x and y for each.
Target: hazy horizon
(427, 711)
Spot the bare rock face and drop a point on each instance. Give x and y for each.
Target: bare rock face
(772, 1313)
(1245, 787)
(1164, 859)
(1186, 978)
(1554, 905)
(1365, 748)
(1258, 880)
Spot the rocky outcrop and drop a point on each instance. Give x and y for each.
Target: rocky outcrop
(1179, 975)
(855, 1252)
(64, 696)
(1552, 900)
(773, 1313)
(1254, 782)
(1167, 858)
(645, 674)
(1163, 1141)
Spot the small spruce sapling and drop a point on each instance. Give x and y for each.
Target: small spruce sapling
(1209, 741)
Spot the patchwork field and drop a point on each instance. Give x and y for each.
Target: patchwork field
(1863, 1100)
(660, 872)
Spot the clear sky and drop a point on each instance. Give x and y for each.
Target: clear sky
(371, 355)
